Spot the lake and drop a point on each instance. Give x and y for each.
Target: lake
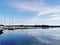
(42, 36)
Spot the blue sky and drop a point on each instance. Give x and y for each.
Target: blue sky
(30, 12)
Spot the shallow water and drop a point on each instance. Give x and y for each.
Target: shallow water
(40, 36)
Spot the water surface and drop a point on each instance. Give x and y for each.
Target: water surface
(40, 36)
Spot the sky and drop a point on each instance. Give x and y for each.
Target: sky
(30, 12)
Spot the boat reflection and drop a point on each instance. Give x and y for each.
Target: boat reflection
(1, 32)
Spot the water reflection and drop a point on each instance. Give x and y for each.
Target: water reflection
(48, 27)
(45, 27)
(1, 32)
(42, 36)
(16, 38)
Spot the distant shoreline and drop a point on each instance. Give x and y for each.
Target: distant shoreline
(13, 27)
(30, 25)
(35, 25)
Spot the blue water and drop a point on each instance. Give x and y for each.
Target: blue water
(49, 36)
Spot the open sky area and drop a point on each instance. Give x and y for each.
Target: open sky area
(30, 12)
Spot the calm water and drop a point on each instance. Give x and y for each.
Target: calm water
(30, 37)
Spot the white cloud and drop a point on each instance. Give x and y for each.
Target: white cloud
(48, 11)
(31, 6)
(54, 18)
(39, 7)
